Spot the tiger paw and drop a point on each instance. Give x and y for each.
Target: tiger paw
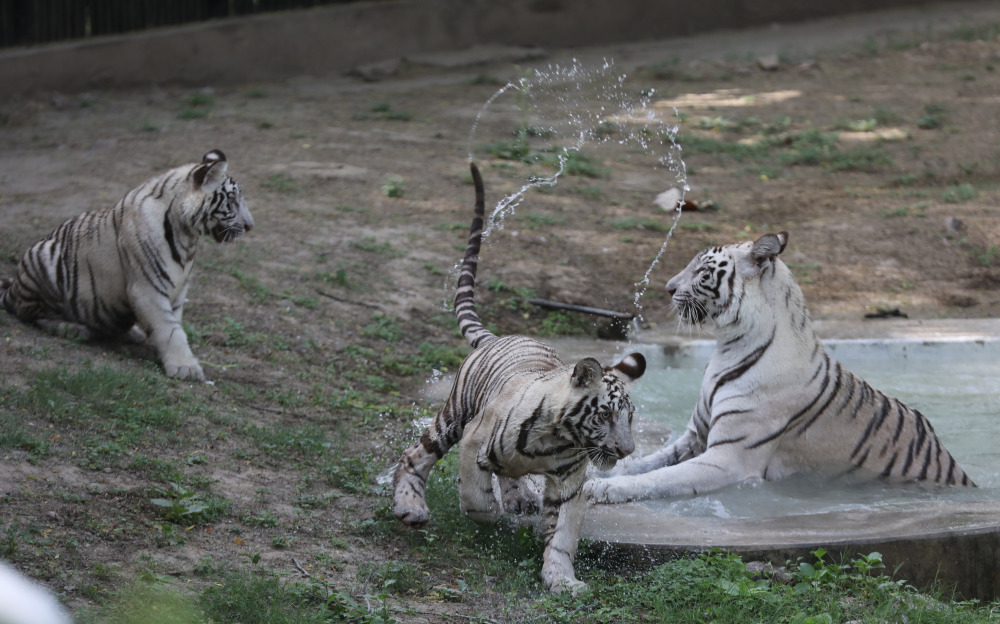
(184, 370)
(558, 584)
(519, 498)
(604, 492)
(409, 516)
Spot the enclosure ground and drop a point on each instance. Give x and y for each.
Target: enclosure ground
(320, 328)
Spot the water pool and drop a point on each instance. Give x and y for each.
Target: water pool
(955, 383)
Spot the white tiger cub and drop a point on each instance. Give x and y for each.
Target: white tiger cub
(515, 409)
(126, 269)
(772, 401)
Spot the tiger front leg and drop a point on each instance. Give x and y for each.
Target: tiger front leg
(161, 319)
(409, 501)
(561, 531)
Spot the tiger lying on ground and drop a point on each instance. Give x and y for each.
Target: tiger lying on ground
(127, 268)
(515, 409)
(772, 401)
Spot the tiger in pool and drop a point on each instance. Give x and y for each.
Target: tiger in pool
(773, 403)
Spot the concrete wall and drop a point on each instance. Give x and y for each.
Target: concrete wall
(334, 39)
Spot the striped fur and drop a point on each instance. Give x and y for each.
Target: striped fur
(514, 410)
(772, 401)
(126, 269)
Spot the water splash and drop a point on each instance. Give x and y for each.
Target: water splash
(558, 113)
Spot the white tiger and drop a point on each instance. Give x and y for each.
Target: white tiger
(515, 409)
(126, 269)
(772, 401)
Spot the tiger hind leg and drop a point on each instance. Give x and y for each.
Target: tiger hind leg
(476, 498)
(65, 329)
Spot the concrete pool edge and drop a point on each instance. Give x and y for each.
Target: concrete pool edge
(957, 545)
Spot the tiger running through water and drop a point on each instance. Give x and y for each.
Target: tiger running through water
(126, 269)
(772, 402)
(515, 409)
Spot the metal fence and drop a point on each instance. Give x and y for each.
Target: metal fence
(32, 22)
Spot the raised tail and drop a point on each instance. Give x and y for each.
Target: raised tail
(465, 296)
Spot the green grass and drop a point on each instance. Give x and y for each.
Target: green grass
(112, 410)
(778, 145)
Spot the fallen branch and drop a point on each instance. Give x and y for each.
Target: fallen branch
(348, 301)
(555, 305)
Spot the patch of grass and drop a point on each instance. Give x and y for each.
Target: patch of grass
(197, 106)
(384, 110)
(145, 601)
(695, 226)
(265, 597)
(14, 436)
(932, 118)
(639, 223)
(264, 518)
(382, 327)
(182, 505)
(536, 221)
(697, 144)
(564, 324)
(252, 284)
(393, 186)
(958, 194)
(396, 577)
(371, 245)
(304, 443)
(113, 409)
(280, 183)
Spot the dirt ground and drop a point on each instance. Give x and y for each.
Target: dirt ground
(880, 158)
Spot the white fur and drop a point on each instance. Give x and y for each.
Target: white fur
(23, 601)
(772, 401)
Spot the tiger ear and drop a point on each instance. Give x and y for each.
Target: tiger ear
(768, 246)
(632, 366)
(212, 170)
(586, 372)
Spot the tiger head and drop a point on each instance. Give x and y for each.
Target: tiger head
(603, 417)
(715, 282)
(222, 212)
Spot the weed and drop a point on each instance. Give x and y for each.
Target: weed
(696, 226)
(958, 194)
(589, 192)
(197, 106)
(884, 116)
(382, 327)
(371, 245)
(282, 541)
(280, 183)
(181, 505)
(262, 597)
(393, 186)
(265, 518)
(397, 577)
(536, 221)
(564, 324)
(932, 118)
(639, 223)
